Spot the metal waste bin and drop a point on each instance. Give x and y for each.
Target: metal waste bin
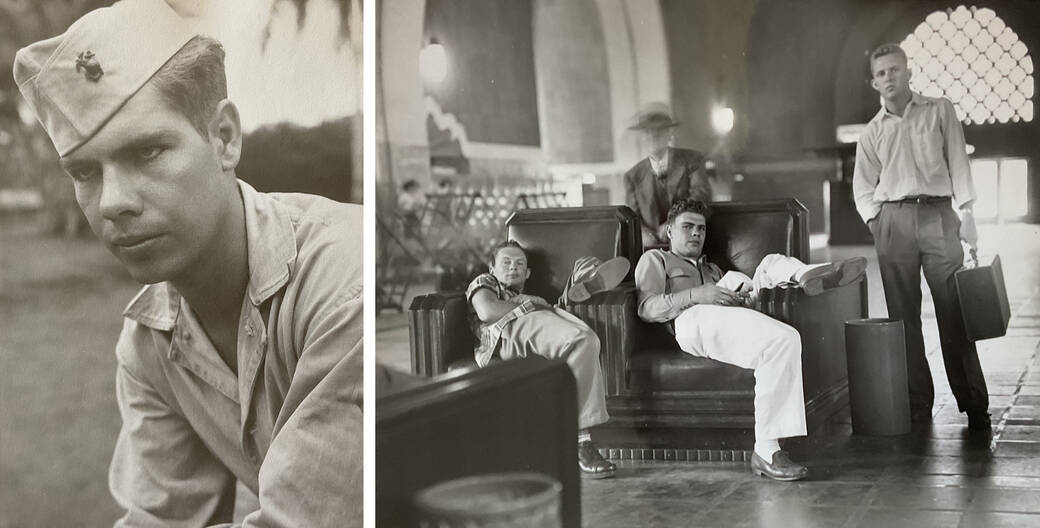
(500, 500)
(878, 393)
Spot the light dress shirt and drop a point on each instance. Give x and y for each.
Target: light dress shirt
(921, 153)
(289, 425)
(665, 282)
(660, 167)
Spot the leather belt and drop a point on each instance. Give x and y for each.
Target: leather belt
(920, 200)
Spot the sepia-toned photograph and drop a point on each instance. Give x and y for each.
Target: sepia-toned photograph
(698, 263)
(181, 263)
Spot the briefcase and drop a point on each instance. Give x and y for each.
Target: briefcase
(984, 300)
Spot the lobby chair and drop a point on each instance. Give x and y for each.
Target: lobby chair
(520, 417)
(666, 404)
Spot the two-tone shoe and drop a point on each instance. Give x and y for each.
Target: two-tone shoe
(780, 468)
(592, 464)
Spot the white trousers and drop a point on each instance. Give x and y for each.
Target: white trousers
(752, 340)
(556, 334)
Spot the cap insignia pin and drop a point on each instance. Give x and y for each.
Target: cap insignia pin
(89, 65)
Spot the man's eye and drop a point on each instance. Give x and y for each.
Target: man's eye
(150, 152)
(84, 174)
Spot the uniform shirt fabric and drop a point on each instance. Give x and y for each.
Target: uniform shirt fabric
(921, 153)
(665, 280)
(289, 424)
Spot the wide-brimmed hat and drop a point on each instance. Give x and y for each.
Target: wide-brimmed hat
(653, 121)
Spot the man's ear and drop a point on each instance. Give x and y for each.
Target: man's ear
(528, 274)
(874, 85)
(225, 131)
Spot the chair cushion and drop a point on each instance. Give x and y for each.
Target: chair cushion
(670, 369)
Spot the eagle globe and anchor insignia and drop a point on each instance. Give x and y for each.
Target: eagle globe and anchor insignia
(88, 64)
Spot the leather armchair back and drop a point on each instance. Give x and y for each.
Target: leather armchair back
(741, 234)
(554, 238)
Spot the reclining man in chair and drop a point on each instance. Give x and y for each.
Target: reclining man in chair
(681, 288)
(510, 324)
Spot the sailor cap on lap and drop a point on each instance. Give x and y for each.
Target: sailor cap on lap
(77, 81)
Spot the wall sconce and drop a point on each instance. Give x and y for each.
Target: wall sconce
(433, 62)
(722, 119)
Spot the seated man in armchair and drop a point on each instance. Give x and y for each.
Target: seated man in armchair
(510, 324)
(681, 288)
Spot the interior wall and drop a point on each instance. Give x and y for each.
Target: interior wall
(573, 82)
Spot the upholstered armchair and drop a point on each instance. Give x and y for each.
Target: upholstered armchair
(664, 403)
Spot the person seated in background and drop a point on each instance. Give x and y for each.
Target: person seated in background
(665, 175)
(510, 324)
(708, 313)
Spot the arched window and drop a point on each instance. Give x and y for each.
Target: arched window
(970, 56)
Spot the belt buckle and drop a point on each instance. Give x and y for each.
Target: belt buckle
(921, 200)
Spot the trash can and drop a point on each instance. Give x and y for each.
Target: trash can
(878, 393)
(499, 500)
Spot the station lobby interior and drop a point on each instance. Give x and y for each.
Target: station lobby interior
(788, 83)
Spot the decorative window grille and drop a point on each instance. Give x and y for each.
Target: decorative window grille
(971, 57)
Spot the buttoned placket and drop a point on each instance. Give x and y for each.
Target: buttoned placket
(252, 346)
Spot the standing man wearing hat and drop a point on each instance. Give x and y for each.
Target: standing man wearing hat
(911, 171)
(665, 175)
(241, 358)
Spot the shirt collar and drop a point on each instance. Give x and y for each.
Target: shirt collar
(271, 248)
(660, 167)
(915, 99)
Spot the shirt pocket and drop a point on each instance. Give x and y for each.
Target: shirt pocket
(678, 279)
(928, 150)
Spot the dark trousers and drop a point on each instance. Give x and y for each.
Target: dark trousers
(910, 237)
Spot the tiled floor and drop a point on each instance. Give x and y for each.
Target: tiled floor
(938, 475)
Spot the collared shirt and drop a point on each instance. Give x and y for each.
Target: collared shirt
(289, 424)
(921, 153)
(489, 334)
(665, 282)
(660, 167)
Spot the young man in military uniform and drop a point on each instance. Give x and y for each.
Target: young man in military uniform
(241, 360)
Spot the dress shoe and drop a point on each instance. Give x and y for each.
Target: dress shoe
(603, 277)
(781, 467)
(979, 421)
(824, 277)
(592, 464)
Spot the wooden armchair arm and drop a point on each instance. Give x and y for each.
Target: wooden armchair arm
(438, 332)
(612, 315)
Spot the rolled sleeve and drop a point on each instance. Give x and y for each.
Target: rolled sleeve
(957, 156)
(656, 305)
(865, 177)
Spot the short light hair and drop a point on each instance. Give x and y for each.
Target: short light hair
(505, 244)
(886, 49)
(193, 81)
(688, 205)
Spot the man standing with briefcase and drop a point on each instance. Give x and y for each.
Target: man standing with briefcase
(911, 169)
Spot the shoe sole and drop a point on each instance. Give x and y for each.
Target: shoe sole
(606, 276)
(596, 476)
(852, 270)
(762, 473)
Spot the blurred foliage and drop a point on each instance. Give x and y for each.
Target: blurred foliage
(290, 158)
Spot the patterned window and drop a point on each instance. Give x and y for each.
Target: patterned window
(970, 56)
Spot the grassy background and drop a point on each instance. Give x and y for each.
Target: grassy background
(60, 306)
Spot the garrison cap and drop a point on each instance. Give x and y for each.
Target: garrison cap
(75, 82)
